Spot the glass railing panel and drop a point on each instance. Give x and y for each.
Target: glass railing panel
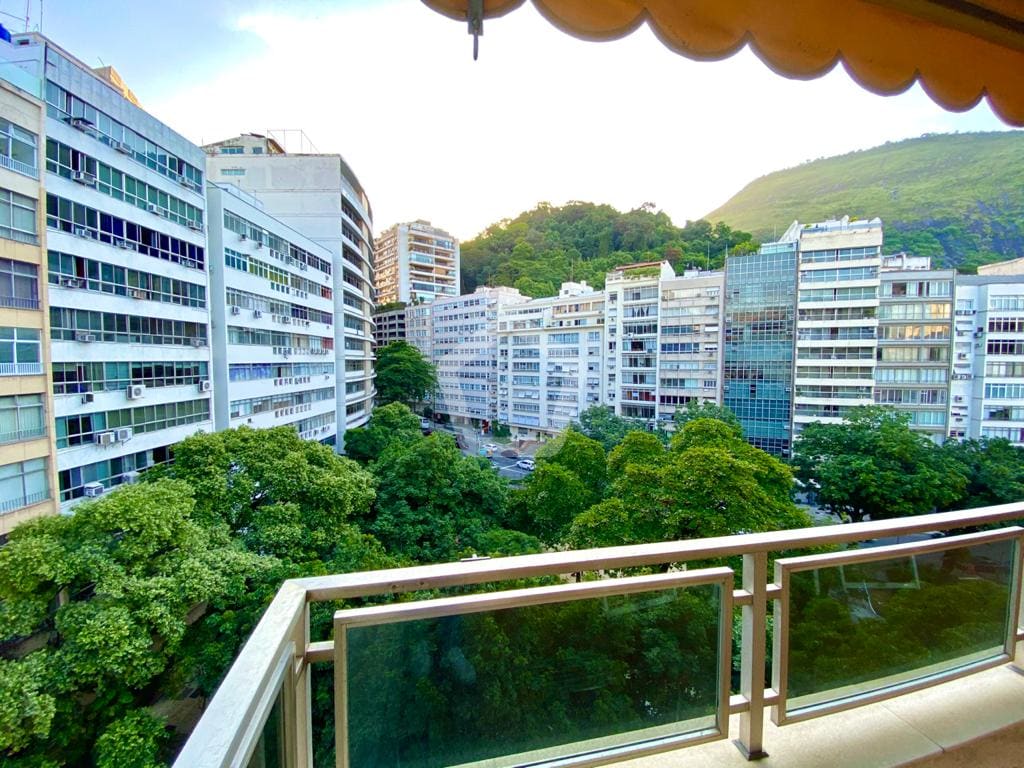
(270, 747)
(579, 671)
(856, 626)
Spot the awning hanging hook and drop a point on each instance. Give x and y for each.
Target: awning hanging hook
(475, 14)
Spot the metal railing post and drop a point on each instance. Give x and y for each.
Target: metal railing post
(752, 655)
(301, 736)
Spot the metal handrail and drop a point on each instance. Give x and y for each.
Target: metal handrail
(224, 735)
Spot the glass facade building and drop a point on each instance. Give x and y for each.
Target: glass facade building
(759, 329)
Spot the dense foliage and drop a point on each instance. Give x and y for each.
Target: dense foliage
(873, 465)
(539, 249)
(403, 375)
(956, 198)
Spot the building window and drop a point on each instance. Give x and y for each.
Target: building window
(18, 149)
(20, 352)
(21, 418)
(23, 483)
(232, 150)
(17, 217)
(19, 285)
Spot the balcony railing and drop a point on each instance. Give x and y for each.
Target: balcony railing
(612, 666)
(17, 165)
(20, 369)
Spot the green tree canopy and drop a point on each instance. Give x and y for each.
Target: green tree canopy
(131, 576)
(391, 424)
(994, 471)
(694, 410)
(404, 375)
(433, 503)
(601, 424)
(873, 465)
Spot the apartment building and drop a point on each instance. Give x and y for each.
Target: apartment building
(389, 325)
(128, 292)
(759, 344)
(465, 352)
(549, 360)
(319, 196)
(689, 341)
(987, 390)
(27, 453)
(631, 338)
(419, 329)
(915, 329)
(272, 317)
(837, 326)
(415, 262)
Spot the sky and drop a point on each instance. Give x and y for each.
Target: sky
(541, 116)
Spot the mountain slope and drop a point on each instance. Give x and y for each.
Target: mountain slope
(958, 198)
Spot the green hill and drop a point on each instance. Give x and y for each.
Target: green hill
(958, 198)
(539, 249)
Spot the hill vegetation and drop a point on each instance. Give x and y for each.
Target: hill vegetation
(539, 249)
(958, 198)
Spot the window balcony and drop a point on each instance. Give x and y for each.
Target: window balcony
(588, 666)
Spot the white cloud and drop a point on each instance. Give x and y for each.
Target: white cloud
(541, 115)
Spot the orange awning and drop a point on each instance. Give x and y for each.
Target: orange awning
(959, 51)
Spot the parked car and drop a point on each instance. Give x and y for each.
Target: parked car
(528, 464)
(491, 448)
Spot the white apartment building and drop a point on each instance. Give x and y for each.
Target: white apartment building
(915, 327)
(272, 317)
(126, 252)
(690, 341)
(631, 338)
(419, 329)
(319, 196)
(415, 263)
(838, 264)
(550, 360)
(987, 391)
(465, 352)
(27, 455)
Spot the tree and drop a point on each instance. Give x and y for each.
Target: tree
(601, 424)
(390, 424)
(580, 455)
(994, 471)
(636, 448)
(711, 483)
(281, 494)
(433, 503)
(403, 375)
(549, 500)
(705, 410)
(94, 611)
(873, 465)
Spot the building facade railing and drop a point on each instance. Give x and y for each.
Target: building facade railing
(848, 626)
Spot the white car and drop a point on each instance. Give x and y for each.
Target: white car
(491, 447)
(528, 464)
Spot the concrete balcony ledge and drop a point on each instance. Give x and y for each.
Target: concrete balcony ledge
(973, 722)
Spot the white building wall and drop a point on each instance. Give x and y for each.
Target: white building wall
(289, 378)
(319, 196)
(148, 349)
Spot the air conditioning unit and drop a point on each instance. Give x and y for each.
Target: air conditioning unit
(88, 397)
(235, 309)
(303, 266)
(120, 243)
(137, 293)
(131, 477)
(105, 438)
(205, 385)
(198, 343)
(958, 398)
(84, 336)
(242, 237)
(92, 490)
(259, 244)
(81, 124)
(83, 177)
(83, 232)
(136, 391)
(257, 313)
(124, 434)
(121, 147)
(71, 282)
(286, 320)
(195, 227)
